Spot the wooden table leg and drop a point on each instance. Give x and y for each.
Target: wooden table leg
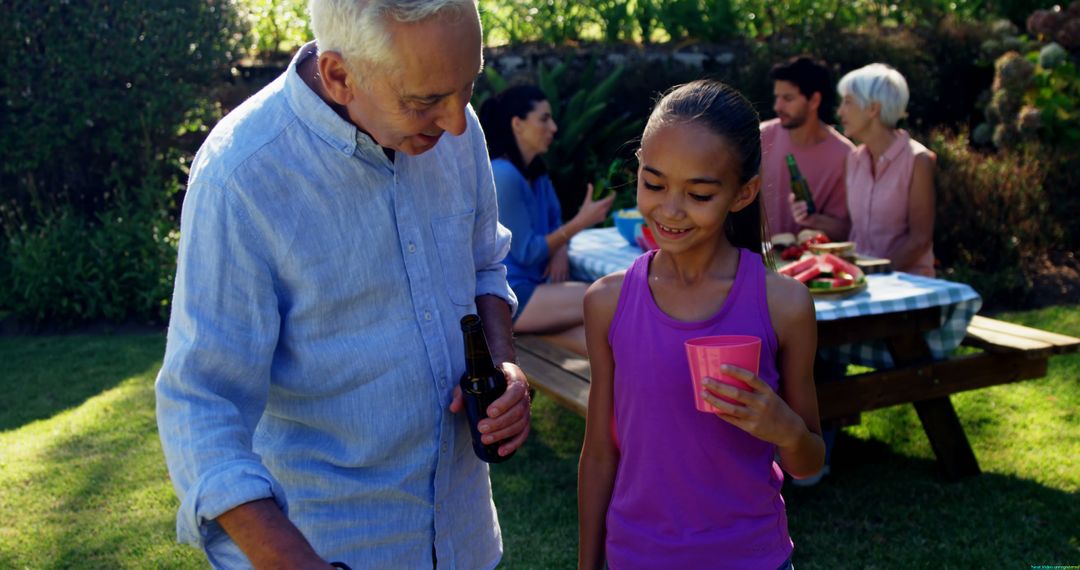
(938, 417)
(947, 438)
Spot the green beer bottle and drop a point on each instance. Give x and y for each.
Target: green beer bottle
(799, 185)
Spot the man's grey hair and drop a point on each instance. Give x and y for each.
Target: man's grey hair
(357, 29)
(879, 83)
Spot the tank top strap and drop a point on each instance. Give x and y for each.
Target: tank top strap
(634, 293)
(753, 270)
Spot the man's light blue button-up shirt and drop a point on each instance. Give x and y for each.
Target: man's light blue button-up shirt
(314, 342)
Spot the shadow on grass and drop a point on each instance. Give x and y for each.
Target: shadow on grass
(44, 375)
(112, 500)
(880, 509)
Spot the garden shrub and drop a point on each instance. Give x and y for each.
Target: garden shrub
(593, 132)
(939, 61)
(644, 21)
(277, 26)
(100, 102)
(993, 220)
(118, 266)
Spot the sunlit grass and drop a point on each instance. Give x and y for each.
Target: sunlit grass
(86, 485)
(83, 481)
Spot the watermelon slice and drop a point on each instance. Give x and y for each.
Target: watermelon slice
(793, 269)
(842, 266)
(806, 276)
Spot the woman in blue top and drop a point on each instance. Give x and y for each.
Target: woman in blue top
(519, 128)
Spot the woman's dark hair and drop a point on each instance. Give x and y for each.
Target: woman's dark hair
(495, 116)
(728, 114)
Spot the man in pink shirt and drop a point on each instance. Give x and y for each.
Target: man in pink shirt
(803, 95)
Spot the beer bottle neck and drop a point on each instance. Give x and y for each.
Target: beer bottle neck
(477, 355)
(793, 168)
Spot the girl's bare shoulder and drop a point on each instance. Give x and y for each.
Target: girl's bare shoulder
(789, 300)
(603, 294)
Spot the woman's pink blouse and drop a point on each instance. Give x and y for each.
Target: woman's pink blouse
(877, 201)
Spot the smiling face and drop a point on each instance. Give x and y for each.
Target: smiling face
(792, 107)
(408, 105)
(688, 182)
(535, 132)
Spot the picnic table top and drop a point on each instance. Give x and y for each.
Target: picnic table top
(598, 252)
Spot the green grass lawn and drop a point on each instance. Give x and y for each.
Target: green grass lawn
(83, 482)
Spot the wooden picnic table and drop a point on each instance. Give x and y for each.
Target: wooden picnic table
(903, 326)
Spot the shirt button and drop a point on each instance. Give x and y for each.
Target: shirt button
(427, 315)
(412, 248)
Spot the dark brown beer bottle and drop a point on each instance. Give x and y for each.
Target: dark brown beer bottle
(481, 384)
(799, 185)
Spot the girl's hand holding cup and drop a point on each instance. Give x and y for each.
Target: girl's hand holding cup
(757, 410)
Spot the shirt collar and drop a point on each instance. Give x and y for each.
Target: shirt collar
(318, 115)
(897, 146)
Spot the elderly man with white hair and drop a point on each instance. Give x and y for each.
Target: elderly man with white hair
(890, 176)
(336, 228)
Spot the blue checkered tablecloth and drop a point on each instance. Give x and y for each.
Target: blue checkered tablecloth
(595, 253)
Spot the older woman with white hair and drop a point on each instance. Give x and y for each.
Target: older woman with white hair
(890, 176)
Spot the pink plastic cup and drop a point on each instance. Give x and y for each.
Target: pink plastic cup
(707, 353)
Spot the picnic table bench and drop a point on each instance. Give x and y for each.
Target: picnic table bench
(1010, 353)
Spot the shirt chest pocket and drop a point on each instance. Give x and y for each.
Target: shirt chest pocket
(453, 240)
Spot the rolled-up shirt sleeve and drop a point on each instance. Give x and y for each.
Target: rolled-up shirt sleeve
(491, 240)
(213, 384)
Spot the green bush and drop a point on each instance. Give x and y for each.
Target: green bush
(277, 26)
(561, 21)
(593, 132)
(993, 219)
(94, 91)
(117, 267)
(101, 104)
(939, 62)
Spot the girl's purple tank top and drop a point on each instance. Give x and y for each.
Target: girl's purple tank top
(691, 490)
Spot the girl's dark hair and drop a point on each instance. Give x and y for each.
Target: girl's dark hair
(728, 114)
(495, 116)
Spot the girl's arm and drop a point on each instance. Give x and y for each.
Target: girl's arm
(788, 419)
(791, 308)
(599, 455)
(920, 214)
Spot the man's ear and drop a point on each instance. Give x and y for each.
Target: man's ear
(747, 193)
(335, 77)
(814, 101)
